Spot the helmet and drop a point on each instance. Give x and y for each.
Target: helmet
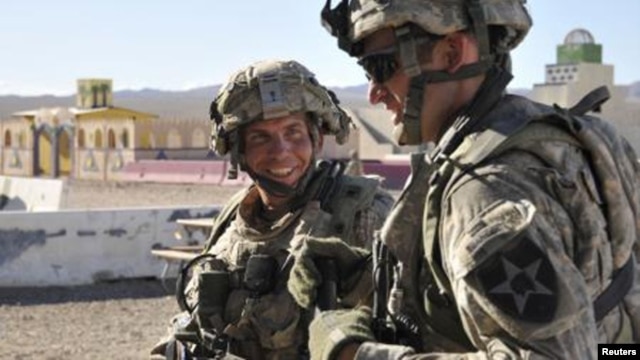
(271, 89)
(268, 90)
(354, 20)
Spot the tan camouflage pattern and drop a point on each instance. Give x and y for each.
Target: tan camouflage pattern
(287, 88)
(541, 191)
(401, 233)
(273, 326)
(439, 17)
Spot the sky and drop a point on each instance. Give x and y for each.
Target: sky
(45, 45)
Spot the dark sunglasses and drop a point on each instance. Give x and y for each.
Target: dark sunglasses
(380, 66)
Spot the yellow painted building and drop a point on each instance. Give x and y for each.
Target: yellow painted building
(93, 140)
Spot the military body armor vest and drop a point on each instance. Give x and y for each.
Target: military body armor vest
(268, 323)
(604, 148)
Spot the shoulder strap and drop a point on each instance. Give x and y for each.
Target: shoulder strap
(342, 195)
(592, 101)
(224, 218)
(569, 126)
(353, 194)
(536, 131)
(490, 142)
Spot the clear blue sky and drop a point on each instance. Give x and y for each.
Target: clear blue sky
(45, 45)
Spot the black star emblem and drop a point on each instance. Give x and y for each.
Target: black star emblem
(521, 282)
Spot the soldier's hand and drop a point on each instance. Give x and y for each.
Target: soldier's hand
(307, 249)
(331, 332)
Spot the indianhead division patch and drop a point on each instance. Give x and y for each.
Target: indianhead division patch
(521, 282)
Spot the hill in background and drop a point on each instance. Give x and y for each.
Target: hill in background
(186, 104)
(192, 103)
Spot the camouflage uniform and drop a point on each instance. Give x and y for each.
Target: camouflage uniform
(512, 227)
(519, 250)
(273, 326)
(268, 323)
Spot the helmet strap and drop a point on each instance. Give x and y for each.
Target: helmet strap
(235, 157)
(480, 28)
(409, 132)
(469, 118)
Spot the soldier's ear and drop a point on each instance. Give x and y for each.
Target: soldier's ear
(460, 49)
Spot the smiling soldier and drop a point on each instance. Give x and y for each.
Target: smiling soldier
(271, 117)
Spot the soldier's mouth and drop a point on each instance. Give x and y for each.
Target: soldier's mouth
(280, 173)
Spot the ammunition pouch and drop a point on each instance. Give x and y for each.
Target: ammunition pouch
(202, 325)
(260, 274)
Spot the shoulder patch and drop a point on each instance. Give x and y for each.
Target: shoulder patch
(521, 282)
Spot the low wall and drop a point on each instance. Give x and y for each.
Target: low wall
(30, 194)
(82, 247)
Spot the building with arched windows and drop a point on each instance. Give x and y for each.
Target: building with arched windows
(96, 140)
(93, 140)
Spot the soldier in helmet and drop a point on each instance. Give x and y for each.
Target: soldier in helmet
(271, 117)
(516, 235)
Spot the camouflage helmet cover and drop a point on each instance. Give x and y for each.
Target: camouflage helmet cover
(272, 89)
(439, 17)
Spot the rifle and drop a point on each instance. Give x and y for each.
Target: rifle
(327, 298)
(328, 290)
(390, 327)
(383, 327)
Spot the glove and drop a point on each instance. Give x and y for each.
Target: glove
(305, 277)
(330, 331)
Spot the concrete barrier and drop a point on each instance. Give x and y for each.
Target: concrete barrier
(31, 194)
(72, 247)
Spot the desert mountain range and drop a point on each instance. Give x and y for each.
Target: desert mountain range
(189, 104)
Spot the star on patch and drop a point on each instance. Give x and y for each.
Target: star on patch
(521, 282)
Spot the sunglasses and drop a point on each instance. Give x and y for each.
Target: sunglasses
(380, 66)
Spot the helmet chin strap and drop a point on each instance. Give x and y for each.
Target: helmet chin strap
(409, 132)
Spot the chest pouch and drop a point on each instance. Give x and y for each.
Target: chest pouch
(213, 290)
(260, 274)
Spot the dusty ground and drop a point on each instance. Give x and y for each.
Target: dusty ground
(107, 321)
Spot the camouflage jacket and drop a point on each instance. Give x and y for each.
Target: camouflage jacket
(503, 257)
(271, 325)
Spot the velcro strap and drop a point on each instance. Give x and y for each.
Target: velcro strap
(616, 291)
